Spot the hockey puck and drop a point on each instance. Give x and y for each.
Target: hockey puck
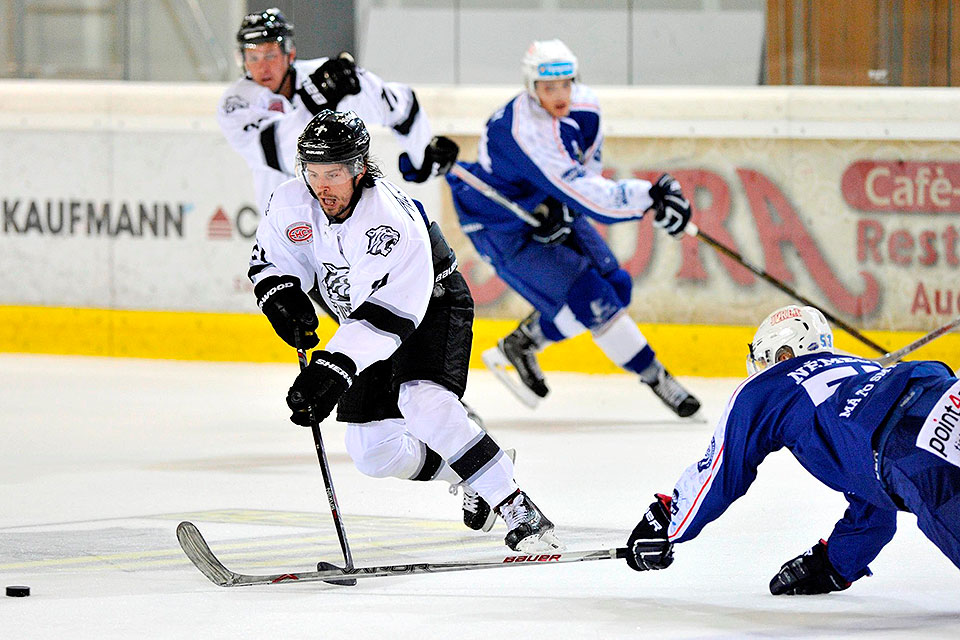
(17, 591)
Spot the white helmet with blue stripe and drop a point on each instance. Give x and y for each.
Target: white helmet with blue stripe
(548, 60)
(789, 332)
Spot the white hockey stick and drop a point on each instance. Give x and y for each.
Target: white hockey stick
(203, 558)
(896, 356)
(494, 195)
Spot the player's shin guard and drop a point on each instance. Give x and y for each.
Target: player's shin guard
(477, 514)
(621, 340)
(434, 415)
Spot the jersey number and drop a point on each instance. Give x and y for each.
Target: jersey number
(823, 385)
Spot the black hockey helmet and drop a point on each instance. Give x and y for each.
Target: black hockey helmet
(334, 137)
(266, 26)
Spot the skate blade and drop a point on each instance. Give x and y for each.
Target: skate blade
(498, 363)
(547, 542)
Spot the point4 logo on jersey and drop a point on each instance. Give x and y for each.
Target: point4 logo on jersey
(300, 232)
(382, 239)
(940, 433)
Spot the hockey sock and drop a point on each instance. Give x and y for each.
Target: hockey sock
(620, 340)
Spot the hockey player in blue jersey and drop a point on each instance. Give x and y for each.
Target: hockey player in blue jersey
(542, 150)
(888, 438)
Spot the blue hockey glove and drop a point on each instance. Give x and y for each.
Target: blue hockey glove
(555, 220)
(810, 573)
(672, 210)
(320, 385)
(647, 547)
(438, 158)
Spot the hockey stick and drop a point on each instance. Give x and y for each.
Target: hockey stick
(327, 478)
(696, 232)
(204, 559)
(896, 356)
(494, 195)
(691, 229)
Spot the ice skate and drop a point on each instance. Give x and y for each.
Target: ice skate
(519, 350)
(529, 530)
(477, 514)
(671, 392)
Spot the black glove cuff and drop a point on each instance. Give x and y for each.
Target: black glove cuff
(337, 363)
(272, 285)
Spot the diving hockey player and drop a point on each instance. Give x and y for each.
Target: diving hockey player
(397, 365)
(262, 114)
(888, 438)
(542, 150)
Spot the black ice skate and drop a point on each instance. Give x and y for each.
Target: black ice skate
(529, 530)
(477, 514)
(671, 392)
(519, 350)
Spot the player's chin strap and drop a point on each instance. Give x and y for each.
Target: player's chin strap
(286, 74)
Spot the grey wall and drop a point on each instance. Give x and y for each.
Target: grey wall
(699, 42)
(321, 28)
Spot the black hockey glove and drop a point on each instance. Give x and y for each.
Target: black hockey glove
(647, 547)
(672, 210)
(555, 220)
(320, 385)
(335, 79)
(438, 158)
(808, 574)
(288, 309)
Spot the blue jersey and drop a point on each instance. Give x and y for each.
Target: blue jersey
(825, 409)
(526, 154)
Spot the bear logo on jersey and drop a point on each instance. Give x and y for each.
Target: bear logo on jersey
(338, 288)
(300, 232)
(382, 240)
(232, 103)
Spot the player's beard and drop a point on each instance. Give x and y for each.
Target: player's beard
(336, 206)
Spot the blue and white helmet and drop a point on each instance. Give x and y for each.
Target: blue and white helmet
(548, 60)
(791, 331)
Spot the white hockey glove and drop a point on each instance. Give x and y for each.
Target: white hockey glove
(672, 209)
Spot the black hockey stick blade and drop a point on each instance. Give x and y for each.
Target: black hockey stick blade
(326, 566)
(203, 558)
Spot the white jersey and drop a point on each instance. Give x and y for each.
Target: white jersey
(263, 126)
(374, 270)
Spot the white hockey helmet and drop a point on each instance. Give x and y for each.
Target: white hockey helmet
(791, 330)
(548, 60)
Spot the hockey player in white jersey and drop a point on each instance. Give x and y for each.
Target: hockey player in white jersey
(542, 150)
(397, 365)
(262, 114)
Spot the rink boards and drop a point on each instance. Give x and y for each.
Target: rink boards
(127, 220)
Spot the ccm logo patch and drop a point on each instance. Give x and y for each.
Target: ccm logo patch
(940, 433)
(300, 232)
(544, 558)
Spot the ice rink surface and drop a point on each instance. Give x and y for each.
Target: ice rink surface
(102, 458)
